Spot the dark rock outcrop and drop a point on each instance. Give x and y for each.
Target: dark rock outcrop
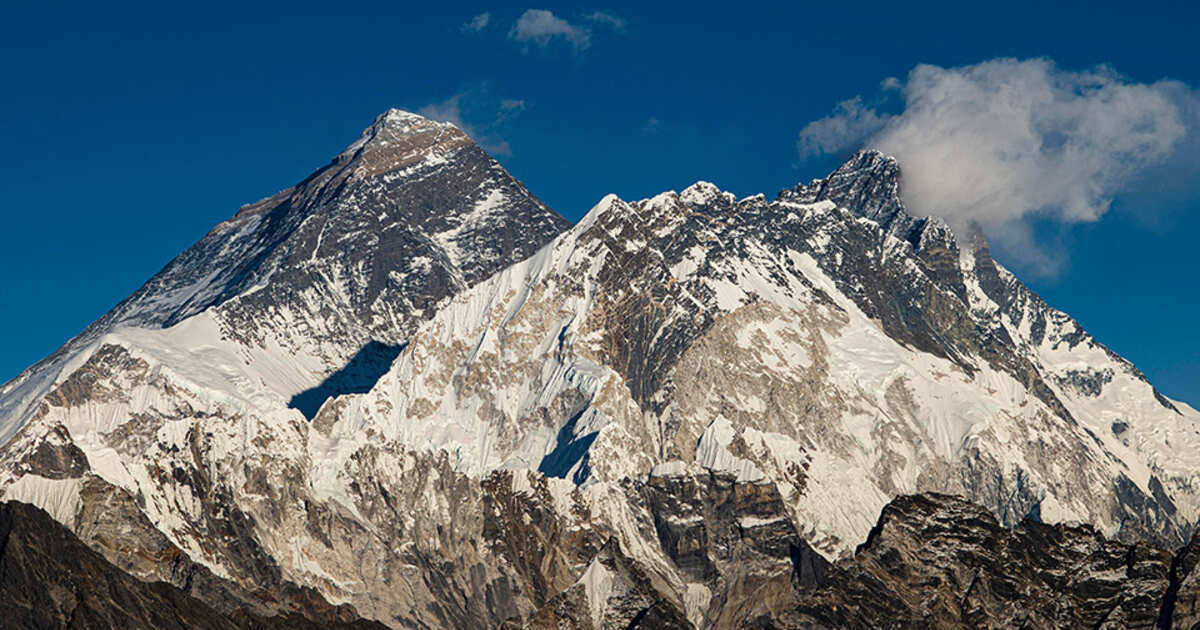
(50, 579)
(936, 561)
(628, 599)
(1181, 605)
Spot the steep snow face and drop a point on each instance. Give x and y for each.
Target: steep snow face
(411, 213)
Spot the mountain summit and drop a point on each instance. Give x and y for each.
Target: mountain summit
(351, 258)
(407, 386)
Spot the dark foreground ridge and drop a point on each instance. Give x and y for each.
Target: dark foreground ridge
(937, 561)
(50, 579)
(932, 561)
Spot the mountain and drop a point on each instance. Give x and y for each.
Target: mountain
(931, 560)
(302, 296)
(50, 579)
(342, 265)
(406, 386)
(938, 561)
(792, 340)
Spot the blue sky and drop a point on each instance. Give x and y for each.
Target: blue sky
(129, 131)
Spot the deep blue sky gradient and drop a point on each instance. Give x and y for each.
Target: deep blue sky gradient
(128, 131)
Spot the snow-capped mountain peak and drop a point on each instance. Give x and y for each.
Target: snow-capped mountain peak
(408, 385)
(358, 252)
(398, 139)
(702, 193)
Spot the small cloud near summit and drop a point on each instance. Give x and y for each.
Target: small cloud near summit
(847, 126)
(466, 109)
(445, 111)
(477, 23)
(508, 109)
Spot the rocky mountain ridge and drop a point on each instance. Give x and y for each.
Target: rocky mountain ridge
(50, 579)
(407, 386)
(938, 561)
(930, 561)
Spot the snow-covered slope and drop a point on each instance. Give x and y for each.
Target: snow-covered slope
(348, 260)
(660, 407)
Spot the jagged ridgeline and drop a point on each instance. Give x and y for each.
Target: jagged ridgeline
(405, 390)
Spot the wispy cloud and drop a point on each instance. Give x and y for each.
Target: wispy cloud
(479, 116)
(508, 109)
(652, 126)
(477, 23)
(449, 110)
(1005, 141)
(540, 28)
(849, 123)
(604, 18)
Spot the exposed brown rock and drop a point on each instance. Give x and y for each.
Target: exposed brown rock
(50, 579)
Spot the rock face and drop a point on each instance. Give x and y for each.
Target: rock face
(404, 385)
(931, 561)
(936, 561)
(1182, 606)
(50, 579)
(614, 592)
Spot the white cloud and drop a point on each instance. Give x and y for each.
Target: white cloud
(540, 27)
(605, 18)
(477, 23)
(848, 125)
(487, 135)
(890, 83)
(1001, 142)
